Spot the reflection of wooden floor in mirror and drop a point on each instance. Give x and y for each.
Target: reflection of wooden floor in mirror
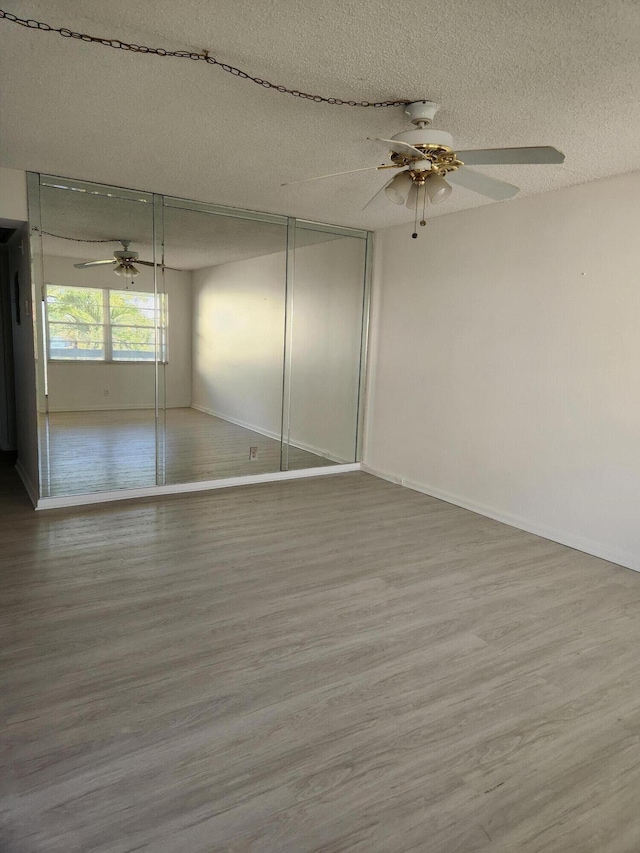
(99, 451)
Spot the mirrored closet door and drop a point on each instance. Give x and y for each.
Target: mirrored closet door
(326, 327)
(180, 342)
(224, 418)
(100, 336)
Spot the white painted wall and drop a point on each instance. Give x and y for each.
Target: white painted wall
(507, 363)
(13, 194)
(76, 386)
(238, 314)
(238, 341)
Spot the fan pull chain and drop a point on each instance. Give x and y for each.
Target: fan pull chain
(423, 221)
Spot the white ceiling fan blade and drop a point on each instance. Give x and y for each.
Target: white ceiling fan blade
(160, 266)
(332, 175)
(483, 184)
(508, 156)
(399, 147)
(94, 264)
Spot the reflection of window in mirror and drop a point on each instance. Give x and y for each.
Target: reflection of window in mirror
(105, 325)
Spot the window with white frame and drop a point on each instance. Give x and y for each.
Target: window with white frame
(102, 324)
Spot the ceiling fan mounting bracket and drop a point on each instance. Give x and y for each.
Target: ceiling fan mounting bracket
(421, 112)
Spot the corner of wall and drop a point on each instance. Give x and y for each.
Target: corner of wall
(13, 195)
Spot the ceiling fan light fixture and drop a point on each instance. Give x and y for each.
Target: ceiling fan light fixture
(416, 197)
(398, 188)
(126, 270)
(438, 189)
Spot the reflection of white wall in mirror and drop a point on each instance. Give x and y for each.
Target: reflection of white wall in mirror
(81, 386)
(238, 315)
(238, 341)
(326, 335)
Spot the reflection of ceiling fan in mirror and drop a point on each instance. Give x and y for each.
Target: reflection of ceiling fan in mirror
(123, 262)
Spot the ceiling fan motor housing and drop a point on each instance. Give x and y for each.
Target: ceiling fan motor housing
(425, 137)
(126, 256)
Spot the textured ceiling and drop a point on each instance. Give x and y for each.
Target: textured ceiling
(506, 73)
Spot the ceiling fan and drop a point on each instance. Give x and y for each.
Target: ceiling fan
(430, 164)
(122, 261)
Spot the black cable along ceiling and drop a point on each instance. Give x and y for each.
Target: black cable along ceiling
(203, 56)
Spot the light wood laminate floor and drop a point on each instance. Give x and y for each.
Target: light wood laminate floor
(336, 664)
(86, 452)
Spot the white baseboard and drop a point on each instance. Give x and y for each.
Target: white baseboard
(261, 431)
(183, 488)
(595, 549)
(29, 485)
(116, 408)
(317, 451)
